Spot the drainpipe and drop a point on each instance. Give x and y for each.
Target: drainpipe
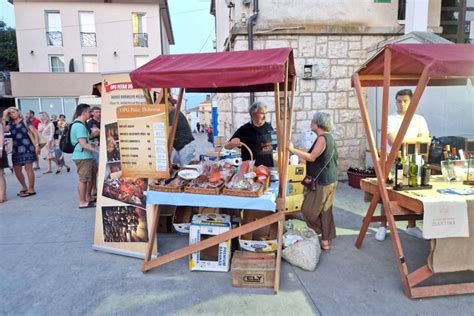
(250, 23)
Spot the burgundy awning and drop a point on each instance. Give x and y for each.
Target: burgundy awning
(238, 71)
(447, 64)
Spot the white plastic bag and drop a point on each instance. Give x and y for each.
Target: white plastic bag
(304, 253)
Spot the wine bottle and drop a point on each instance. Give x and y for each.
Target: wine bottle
(425, 172)
(404, 164)
(413, 172)
(398, 171)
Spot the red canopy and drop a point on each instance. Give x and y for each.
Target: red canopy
(447, 64)
(238, 71)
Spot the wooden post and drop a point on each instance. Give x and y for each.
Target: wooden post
(154, 226)
(147, 94)
(403, 269)
(278, 127)
(215, 240)
(386, 94)
(174, 126)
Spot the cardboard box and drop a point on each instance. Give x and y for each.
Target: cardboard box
(253, 269)
(296, 173)
(261, 240)
(182, 219)
(217, 258)
(295, 188)
(294, 202)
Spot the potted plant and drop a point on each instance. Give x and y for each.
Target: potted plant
(357, 174)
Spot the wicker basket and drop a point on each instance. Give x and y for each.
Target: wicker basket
(223, 146)
(246, 193)
(209, 191)
(164, 188)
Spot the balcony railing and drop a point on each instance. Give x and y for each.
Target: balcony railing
(140, 39)
(88, 39)
(54, 38)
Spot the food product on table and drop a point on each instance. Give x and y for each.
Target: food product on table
(249, 178)
(214, 174)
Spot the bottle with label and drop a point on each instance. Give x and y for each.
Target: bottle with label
(425, 172)
(447, 149)
(398, 171)
(405, 165)
(413, 172)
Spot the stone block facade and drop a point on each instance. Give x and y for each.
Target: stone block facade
(334, 58)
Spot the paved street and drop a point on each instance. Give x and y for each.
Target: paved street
(49, 268)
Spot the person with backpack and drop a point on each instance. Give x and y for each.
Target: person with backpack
(78, 136)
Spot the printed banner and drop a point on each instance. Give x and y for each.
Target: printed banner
(143, 133)
(123, 220)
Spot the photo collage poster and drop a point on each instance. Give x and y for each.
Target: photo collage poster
(123, 220)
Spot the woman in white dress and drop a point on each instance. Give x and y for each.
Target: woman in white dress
(46, 130)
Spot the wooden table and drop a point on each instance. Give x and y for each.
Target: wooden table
(406, 205)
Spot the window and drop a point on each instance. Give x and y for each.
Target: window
(90, 63)
(52, 105)
(57, 63)
(140, 36)
(87, 29)
(28, 104)
(54, 35)
(141, 60)
(69, 107)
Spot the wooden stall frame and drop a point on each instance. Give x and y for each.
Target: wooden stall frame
(393, 210)
(284, 122)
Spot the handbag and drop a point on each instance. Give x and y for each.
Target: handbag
(311, 183)
(42, 140)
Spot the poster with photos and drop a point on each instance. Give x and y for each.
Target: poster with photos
(124, 224)
(122, 214)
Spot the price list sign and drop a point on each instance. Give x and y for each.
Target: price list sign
(143, 139)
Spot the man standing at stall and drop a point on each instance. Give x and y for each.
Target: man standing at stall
(184, 145)
(417, 132)
(257, 134)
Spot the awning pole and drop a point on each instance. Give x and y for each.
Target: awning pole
(386, 94)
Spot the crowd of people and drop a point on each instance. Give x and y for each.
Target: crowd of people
(27, 139)
(32, 138)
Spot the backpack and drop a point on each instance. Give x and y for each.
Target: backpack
(65, 144)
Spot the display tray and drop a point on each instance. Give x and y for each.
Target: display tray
(210, 191)
(164, 188)
(409, 188)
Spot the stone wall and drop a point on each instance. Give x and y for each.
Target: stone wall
(335, 58)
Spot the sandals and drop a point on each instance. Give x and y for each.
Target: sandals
(22, 192)
(90, 205)
(26, 194)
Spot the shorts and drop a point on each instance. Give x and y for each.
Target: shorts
(85, 169)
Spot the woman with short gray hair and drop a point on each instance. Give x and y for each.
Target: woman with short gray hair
(320, 180)
(257, 134)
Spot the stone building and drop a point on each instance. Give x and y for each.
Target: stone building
(330, 40)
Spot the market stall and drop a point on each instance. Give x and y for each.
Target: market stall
(227, 72)
(417, 65)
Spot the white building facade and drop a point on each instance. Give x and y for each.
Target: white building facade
(63, 46)
(330, 40)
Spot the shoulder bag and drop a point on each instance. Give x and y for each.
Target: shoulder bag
(310, 182)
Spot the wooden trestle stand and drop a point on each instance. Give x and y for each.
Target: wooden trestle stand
(395, 209)
(284, 119)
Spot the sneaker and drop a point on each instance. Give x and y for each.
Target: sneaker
(415, 232)
(381, 233)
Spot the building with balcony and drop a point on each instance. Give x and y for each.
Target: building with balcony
(330, 40)
(63, 46)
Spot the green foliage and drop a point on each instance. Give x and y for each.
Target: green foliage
(8, 50)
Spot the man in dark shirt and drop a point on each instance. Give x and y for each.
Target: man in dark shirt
(93, 124)
(184, 146)
(257, 134)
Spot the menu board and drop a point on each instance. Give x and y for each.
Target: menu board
(143, 134)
